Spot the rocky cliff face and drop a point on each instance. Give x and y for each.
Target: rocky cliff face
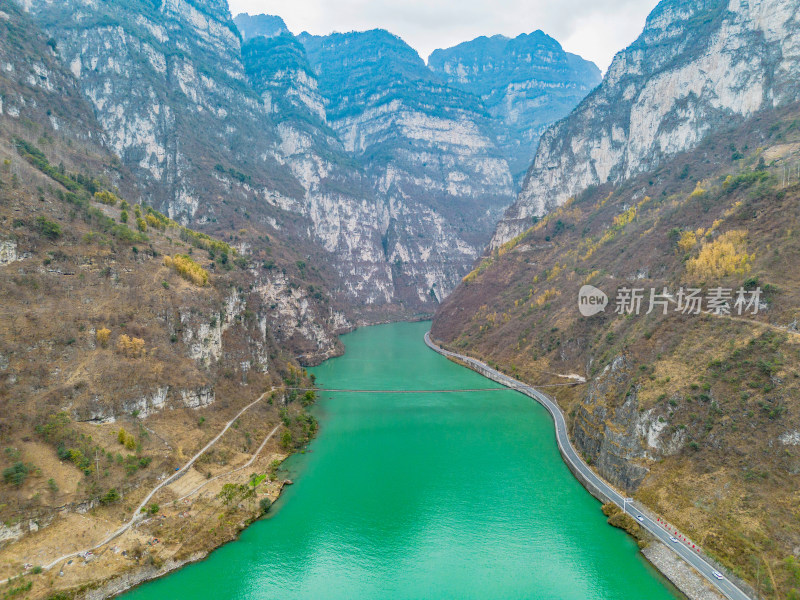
(209, 147)
(348, 148)
(428, 149)
(526, 83)
(35, 85)
(238, 141)
(167, 85)
(615, 434)
(340, 204)
(696, 66)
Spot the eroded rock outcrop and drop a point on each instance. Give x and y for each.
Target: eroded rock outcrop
(8, 252)
(607, 428)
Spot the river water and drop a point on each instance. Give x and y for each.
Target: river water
(422, 496)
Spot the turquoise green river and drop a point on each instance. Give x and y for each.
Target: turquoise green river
(422, 496)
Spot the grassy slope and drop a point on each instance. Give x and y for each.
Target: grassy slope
(728, 389)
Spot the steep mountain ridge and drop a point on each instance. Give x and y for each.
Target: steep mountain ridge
(189, 109)
(212, 150)
(692, 414)
(392, 195)
(695, 67)
(345, 216)
(526, 83)
(428, 149)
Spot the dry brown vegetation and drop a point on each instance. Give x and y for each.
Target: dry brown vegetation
(91, 328)
(616, 518)
(114, 368)
(728, 387)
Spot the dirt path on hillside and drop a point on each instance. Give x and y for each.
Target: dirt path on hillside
(137, 515)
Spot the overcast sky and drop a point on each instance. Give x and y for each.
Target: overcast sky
(595, 29)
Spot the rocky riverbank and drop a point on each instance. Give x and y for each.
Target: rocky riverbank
(131, 579)
(682, 576)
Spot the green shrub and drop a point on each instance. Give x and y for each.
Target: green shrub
(49, 229)
(286, 438)
(231, 491)
(110, 497)
(151, 510)
(308, 398)
(16, 586)
(125, 234)
(16, 474)
(36, 157)
(264, 504)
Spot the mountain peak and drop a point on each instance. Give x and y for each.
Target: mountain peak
(696, 66)
(371, 41)
(251, 26)
(376, 58)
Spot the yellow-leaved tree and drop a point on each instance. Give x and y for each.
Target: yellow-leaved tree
(727, 255)
(187, 268)
(126, 439)
(106, 197)
(102, 336)
(131, 347)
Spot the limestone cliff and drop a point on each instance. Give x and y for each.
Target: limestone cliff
(347, 148)
(695, 67)
(167, 85)
(526, 83)
(428, 149)
(343, 213)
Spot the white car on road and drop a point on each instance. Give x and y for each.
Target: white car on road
(640, 518)
(718, 575)
(673, 539)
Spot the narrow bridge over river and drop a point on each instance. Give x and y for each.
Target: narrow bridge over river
(456, 391)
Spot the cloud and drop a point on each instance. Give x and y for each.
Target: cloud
(595, 29)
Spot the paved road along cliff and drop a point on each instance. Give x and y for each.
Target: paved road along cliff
(593, 482)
